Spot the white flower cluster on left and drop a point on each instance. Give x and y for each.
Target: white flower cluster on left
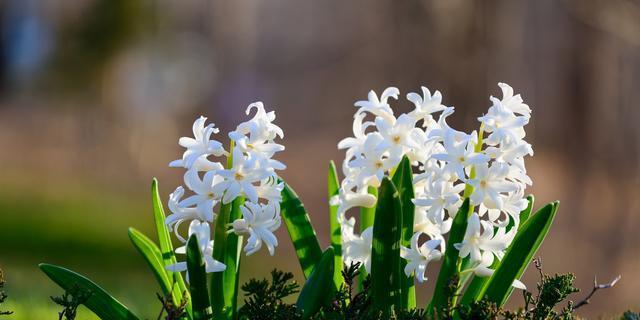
(250, 173)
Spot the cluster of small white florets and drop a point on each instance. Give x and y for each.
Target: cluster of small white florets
(491, 169)
(251, 174)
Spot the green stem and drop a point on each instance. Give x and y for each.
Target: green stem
(226, 249)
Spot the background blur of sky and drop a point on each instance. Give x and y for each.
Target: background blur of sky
(94, 95)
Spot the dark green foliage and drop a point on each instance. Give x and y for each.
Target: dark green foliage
(3, 296)
(173, 311)
(551, 291)
(482, 309)
(630, 315)
(265, 301)
(264, 298)
(70, 301)
(348, 304)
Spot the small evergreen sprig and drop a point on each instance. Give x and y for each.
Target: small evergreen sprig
(173, 311)
(3, 295)
(264, 298)
(70, 301)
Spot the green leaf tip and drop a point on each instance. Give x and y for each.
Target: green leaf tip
(318, 289)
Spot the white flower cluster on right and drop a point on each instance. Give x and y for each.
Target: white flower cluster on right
(485, 165)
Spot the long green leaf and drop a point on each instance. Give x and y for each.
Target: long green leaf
(318, 289)
(519, 255)
(336, 233)
(100, 302)
(224, 285)
(300, 230)
(166, 248)
(450, 268)
(153, 257)
(226, 249)
(386, 275)
(478, 283)
(403, 180)
(198, 281)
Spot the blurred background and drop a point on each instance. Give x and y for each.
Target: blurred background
(95, 94)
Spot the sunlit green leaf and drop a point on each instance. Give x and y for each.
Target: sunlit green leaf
(519, 255)
(166, 248)
(450, 268)
(100, 302)
(386, 275)
(153, 257)
(336, 233)
(198, 281)
(403, 180)
(300, 230)
(227, 248)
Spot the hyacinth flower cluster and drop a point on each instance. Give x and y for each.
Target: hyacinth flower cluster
(425, 192)
(252, 176)
(449, 165)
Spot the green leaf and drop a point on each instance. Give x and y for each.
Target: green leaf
(386, 275)
(450, 268)
(227, 248)
(336, 232)
(519, 255)
(101, 303)
(318, 289)
(403, 180)
(300, 230)
(198, 281)
(152, 255)
(166, 248)
(473, 291)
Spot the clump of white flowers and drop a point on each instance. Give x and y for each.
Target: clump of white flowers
(486, 166)
(251, 174)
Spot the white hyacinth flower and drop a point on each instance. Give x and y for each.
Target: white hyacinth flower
(479, 237)
(259, 221)
(240, 178)
(418, 257)
(201, 143)
(356, 248)
(489, 183)
(205, 244)
(426, 105)
(460, 154)
(378, 106)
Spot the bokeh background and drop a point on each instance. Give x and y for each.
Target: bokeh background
(94, 95)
